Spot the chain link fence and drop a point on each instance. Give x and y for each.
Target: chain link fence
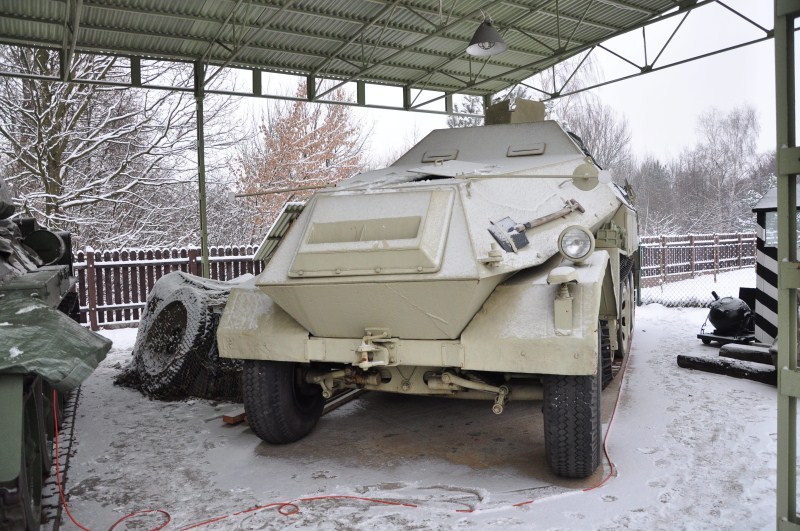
(683, 270)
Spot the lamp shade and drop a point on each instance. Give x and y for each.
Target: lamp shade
(486, 41)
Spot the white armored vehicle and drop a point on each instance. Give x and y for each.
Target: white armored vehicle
(489, 262)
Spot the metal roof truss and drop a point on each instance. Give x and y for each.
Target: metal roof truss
(417, 45)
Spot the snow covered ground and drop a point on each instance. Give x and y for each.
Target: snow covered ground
(692, 450)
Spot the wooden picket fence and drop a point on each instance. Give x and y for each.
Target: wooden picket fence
(113, 285)
(667, 259)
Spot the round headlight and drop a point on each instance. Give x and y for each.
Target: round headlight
(576, 243)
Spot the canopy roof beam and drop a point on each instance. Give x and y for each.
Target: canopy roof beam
(411, 46)
(415, 44)
(388, 8)
(222, 27)
(648, 66)
(71, 23)
(351, 60)
(249, 40)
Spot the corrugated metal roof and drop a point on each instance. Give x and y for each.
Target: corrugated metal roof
(413, 43)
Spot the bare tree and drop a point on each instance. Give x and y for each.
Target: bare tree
(400, 148)
(109, 164)
(604, 132)
(652, 184)
(713, 178)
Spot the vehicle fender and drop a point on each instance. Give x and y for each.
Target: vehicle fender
(515, 329)
(254, 327)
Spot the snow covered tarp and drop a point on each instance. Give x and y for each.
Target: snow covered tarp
(35, 338)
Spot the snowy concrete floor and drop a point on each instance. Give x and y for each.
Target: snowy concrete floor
(693, 451)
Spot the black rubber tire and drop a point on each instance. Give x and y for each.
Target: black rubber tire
(217, 385)
(627, 310)
(174, 334)
(280, 406)
(572, 427)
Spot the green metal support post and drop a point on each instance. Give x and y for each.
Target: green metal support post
(11, 410)
(788, 278)
(199, 95)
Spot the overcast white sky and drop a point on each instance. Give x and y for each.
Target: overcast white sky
(661, 107)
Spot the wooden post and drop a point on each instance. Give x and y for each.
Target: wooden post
(741, 251)
(90, 281)
(716, 256)
(126, 285)
(116, 283)
(663, 259)
(693, 255)
(193, 261)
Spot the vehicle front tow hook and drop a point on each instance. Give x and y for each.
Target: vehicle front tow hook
(500, 400)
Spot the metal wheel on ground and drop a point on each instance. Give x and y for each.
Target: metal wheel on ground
(281, 406)
(572, 428)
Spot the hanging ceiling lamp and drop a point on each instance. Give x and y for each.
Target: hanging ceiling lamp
(486, 41)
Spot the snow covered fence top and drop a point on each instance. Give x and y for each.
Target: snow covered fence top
(113, 285)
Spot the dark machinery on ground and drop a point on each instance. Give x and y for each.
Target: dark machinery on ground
(732, 320)
(734, 330)
(44, 354)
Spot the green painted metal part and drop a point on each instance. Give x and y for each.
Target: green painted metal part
(199, 96)
(11, 434)
(785, 13)
(36, 338)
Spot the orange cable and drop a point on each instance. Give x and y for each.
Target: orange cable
(291, 508)
(61, 490)
(58, 472)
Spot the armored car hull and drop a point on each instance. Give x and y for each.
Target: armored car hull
(491, 262)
